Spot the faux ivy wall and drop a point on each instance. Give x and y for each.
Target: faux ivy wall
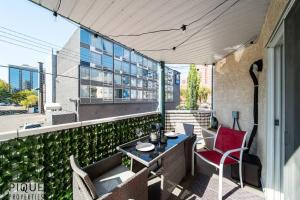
(45, 158)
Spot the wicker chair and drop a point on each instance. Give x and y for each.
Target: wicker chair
(108, 179)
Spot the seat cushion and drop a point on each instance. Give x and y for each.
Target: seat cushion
(111, 179)
(215, 157)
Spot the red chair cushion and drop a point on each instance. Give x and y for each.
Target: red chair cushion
(228, 139)
(215, 157)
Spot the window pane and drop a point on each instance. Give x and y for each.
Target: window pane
(150, 74)
(126, 55)
(140, 83)
(133, 82)
(85, 36)
(118, 51)
(84, 54)
(96, 92)
(150, 85)
(146, 95)
(145, 73)
(139, 72)
(145, 62)
(133, 57)
(108, 77)
(107, 62)
(96, 58)
(84, 91)
(139, 59)
(118, 79)
(107, 93)
(118, 66)
(140, 94)
(96, 42)
(14, 78)
(133, 70)
(26, 81)
(107, 46)
(125, 81)
(126, 69)
(118, 93)
(96, 75)
(145, 84)
(35, 80)
(85, 73)
(126, 94)
(133, 94)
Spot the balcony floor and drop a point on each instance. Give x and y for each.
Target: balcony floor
(202, 186)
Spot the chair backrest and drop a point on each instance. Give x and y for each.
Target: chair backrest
(184, 128)
(84, 176)
(228, 139)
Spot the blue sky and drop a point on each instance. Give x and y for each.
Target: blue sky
(30, 19)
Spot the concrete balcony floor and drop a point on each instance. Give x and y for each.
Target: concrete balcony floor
(204, 187)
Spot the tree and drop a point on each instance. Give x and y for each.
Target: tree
(203, 94)
(5, 94)
(192, 93)
(29, 101)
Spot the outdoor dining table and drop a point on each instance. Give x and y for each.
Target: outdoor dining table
(172, 159)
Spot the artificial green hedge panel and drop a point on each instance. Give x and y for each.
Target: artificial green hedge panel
(45, 157)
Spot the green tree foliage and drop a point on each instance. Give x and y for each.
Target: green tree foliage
(25, 98)
(203, 94)
(192, 93)
(5, 94)
(29, 101)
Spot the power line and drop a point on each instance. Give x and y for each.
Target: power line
(195, 33)
(182, 28)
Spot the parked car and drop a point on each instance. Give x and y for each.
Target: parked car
(31, 125)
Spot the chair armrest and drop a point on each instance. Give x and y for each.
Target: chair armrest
(100, 167)
(227, 153)
(200, 139)
(135, 187)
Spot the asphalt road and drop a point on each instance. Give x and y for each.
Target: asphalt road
(13, 122)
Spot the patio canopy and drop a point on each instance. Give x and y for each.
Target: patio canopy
(185, 31)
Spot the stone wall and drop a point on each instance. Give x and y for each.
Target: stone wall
(233, 86)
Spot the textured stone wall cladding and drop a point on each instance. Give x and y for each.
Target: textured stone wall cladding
(198, 119)
(45, 157)
(233, 86)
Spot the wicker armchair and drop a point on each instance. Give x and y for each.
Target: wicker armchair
(108, 179)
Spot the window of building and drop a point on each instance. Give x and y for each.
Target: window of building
(118, 51)
(14, 78)
(133, 82)
(107, 47)
(145, 73)
(107, 93)
(126, 54)
(35, 80)
(96, 92)
(139, 72)
(26, 80)
(139, 83)
(145, 62)
(125, 81)
(85, 54)
(118, 93)
(126, 93)
(96, 42)
(140, 94)
(126, 68)
(133, 94)
(107, 62)
(139, 59)
(84, 91)
(85, 36)
(108, 78)
(133, 70)
(133, 57)
(118, 79)
(84, 73)
(96, 75)
(118, 66)
(96, 58)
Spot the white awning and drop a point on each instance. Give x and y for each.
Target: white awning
(221, 26)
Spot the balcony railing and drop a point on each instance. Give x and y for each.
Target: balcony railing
(42, 155)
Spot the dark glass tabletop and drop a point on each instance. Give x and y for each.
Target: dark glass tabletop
(147, 158)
